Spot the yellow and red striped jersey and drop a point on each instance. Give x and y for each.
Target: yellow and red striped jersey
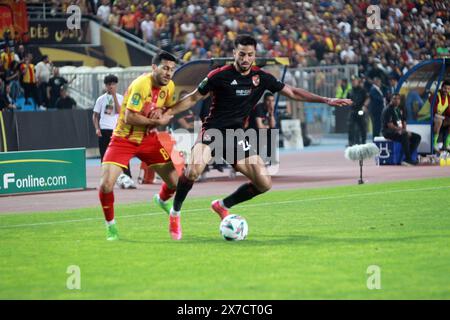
(29, 75)
(142, 96)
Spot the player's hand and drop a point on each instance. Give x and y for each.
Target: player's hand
(164, 119)
(155, 113)
(335, 102)
(98, 133)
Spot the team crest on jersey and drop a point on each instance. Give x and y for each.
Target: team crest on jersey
(255, 80)
(135, 99)
(162, 94)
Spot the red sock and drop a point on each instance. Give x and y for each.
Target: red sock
(107, 201)
(165, 193)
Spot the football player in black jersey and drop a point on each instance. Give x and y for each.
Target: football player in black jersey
(234, 89)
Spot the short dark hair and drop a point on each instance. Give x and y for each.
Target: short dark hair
(163, 55)
(446, 83)
(245, 40)
(267, 95)
(110, 78)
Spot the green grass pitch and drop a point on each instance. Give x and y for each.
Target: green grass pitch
(302, 244)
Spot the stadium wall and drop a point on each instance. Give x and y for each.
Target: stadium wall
(48, 130)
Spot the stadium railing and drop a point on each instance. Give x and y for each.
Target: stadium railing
(88, 84)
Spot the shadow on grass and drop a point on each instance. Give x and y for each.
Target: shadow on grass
(279, 240)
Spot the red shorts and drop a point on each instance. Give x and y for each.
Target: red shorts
(150, 151)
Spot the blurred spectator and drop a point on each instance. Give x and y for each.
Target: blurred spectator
(43, 72)
(391, 88)
(29, 80)
(20, 54)
(65, 101)
(54, 87)
(413, 104)
(263, 116)
(263, 119)
(188, 29)
(6, 101)
(376, 105)
(104, 11)
(394, 128)
(128, 22)
(343, 89)
(114, 18)
(7, 57)
(12, 76)
(147, 28)
(357, 127)
(441, 115)
(106, 113)
(184, 120)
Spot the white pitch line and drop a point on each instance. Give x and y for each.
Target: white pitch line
(242, 206)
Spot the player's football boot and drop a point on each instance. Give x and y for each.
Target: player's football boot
(111, 233)
(175, 227)
(220, 210)
(165, 205)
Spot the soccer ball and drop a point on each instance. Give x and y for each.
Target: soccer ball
(125, 182)
(234, 228)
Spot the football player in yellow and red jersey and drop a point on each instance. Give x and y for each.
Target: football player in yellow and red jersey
(135, 136)
(441, 111)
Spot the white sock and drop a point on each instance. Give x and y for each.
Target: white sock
(110, 223)
(160, 200)
(174, 213)
(221, 203)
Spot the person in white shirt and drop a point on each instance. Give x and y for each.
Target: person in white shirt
(105, 116)
(188, 29)
(147, 28)
(43, 71)
(104, 11)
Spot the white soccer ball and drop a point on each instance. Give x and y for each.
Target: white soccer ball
(234, 228)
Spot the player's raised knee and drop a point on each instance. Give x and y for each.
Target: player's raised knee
(193, 174)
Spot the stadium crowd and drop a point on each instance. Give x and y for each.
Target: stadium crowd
(317, 33)
(310, 33)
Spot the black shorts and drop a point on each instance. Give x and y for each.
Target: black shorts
(229, 145)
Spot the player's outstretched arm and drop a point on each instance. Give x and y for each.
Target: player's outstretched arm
(303, 95)
(185, 103)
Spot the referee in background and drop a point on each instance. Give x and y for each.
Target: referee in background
(106, 113)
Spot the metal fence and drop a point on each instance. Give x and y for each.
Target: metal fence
(322, 80)
(88, 84)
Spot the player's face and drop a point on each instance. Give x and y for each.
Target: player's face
(111, 87)
(270, 102)
(164, 72)
(396, 101)
(445, 89)
(244, 57)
